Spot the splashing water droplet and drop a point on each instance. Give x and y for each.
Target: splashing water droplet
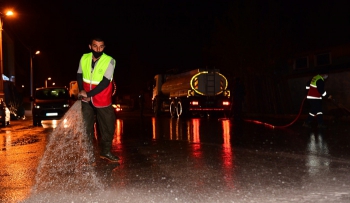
(67, 163)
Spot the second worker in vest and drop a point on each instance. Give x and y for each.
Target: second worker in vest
(94, 76)
(316, 91)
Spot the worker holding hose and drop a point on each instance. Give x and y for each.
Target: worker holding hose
(95, 81)
(316, 92)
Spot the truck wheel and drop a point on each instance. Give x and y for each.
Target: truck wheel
(179, 109)
(173, 111)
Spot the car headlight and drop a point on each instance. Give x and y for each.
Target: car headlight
(37, 106)
(65, 105)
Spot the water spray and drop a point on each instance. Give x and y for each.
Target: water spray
(67, 163)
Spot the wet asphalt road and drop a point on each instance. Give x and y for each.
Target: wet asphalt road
(189, 160)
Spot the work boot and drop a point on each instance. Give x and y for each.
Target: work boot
(109, 156)
(307, 125)
(106, 152)
(323, 126)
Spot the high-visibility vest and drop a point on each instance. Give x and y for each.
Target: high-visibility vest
(92, 78)
(313, 91)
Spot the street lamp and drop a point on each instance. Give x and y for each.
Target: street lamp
(8, 13)
(46, 81)
(31, 70)
(31, 75)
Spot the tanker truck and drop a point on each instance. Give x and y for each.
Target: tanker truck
(197, 92)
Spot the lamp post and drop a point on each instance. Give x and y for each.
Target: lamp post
(46, 81)
(31, 70)
(31, 75)
(8, 13)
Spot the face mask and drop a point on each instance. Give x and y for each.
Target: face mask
(97, 54)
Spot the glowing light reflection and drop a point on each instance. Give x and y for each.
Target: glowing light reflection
(316, 147)
(118, 131)
(227, 154)
(95, 131)
(54, 123)
(117, 140)
(50, 123)
(65, 123)
(178, 129)
(154, 128)
(170, 129)
(196, 147)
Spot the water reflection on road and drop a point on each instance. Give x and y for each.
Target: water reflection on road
(20, 152)
(194, 130)
(317, 158)
(227, 136)
(188, 158)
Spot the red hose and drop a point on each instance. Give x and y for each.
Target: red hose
(276, 126)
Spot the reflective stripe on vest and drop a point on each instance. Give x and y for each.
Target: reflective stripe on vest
(92, 79)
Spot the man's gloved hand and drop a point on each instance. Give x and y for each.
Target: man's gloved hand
(83, 96)
(87, 99)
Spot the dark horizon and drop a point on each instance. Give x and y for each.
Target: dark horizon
(150, 38)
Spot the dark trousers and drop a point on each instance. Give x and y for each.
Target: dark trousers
(105, 120)
(315, 110)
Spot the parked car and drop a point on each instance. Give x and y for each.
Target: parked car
(5, 115)
(49, 103)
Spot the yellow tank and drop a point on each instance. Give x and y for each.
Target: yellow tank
(195, 82)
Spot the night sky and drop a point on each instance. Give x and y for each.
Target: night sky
(149, 37)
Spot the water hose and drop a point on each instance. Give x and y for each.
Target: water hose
(340, 106)
(279, 126)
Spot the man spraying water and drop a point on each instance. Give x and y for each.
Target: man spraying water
(95, 81)
(315, 93)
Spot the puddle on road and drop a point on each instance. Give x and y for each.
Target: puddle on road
(25, 140)
(66, 165)
(11, 139)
